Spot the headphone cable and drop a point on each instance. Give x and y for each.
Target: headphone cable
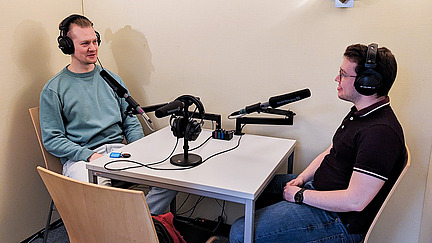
(149, 165)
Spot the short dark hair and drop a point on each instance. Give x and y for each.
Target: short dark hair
(385, 60)
(77, 19)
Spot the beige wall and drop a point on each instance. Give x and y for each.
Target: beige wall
(28, 58)
(230, 54)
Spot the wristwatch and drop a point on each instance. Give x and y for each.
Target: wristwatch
(298, 197)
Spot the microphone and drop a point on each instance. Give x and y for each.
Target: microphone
(251, 108)
(169, 109)
(281, 100)
(122, 92)
(274, 102)
(152, 108)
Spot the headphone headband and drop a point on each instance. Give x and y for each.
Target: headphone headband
(189, 100)
(371, 56)
(188, 128)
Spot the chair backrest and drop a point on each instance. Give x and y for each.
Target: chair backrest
(94, 213)
(407, 164)
(51, 162)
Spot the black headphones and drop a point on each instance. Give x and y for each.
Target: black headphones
(369, 81)
(64, 42)
(187, 127)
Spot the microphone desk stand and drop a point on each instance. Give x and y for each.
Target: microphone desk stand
(186, 158)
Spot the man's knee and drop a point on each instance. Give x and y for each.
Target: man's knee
(237, 231)
(76, 170)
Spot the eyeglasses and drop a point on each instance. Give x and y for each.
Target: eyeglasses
(344, 75)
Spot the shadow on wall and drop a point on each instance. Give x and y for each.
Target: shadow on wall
(133, 58)
(30, 52)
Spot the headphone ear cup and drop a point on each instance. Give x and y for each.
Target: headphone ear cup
(193, 129)
(98, 38)
(177, 127)
(368, 82)
(66, 45)
(173, 122)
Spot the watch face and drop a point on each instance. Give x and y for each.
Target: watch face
(298, 197)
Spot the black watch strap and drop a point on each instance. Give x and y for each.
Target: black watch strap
(298, 197)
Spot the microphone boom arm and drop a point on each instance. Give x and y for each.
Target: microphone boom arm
(286, 113)
(287, 120)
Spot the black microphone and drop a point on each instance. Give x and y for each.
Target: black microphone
(275, 102)
(251, 108)
(152, 108)
(122, 92)
(281, 100)
(169, 109)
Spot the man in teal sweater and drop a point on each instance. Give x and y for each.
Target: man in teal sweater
(81, 117)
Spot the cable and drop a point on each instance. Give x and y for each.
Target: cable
(220, 218)
(100, 63)
(172, 152)
(148, 165)
(199, 146)
(224, 151)
(139, 164)
(199, 200)
(223, 208)
(235, 117)
(177, 210)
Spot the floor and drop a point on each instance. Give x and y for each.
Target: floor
(58, 234)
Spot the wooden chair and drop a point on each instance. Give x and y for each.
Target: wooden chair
(51, 162)
(407, 164)
(94, 213)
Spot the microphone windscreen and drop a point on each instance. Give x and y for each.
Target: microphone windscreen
(169, 109)
(152, 108)
(281, 100)
(120, 90)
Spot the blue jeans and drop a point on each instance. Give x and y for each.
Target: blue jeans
(290, 222)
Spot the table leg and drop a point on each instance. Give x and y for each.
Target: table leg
(290, 163)
(249, 221)
(92, 178)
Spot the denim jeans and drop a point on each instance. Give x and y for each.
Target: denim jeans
(290, 222)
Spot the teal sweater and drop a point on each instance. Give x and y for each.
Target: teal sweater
(80, 112)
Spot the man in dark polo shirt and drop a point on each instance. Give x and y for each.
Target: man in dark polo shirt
(336, 198)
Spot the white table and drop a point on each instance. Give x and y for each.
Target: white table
(237, 176)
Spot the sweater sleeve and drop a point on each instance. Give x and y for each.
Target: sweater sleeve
(53, 130)
(132, 128)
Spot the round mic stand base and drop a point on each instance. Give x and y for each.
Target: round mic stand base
(191, 160)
